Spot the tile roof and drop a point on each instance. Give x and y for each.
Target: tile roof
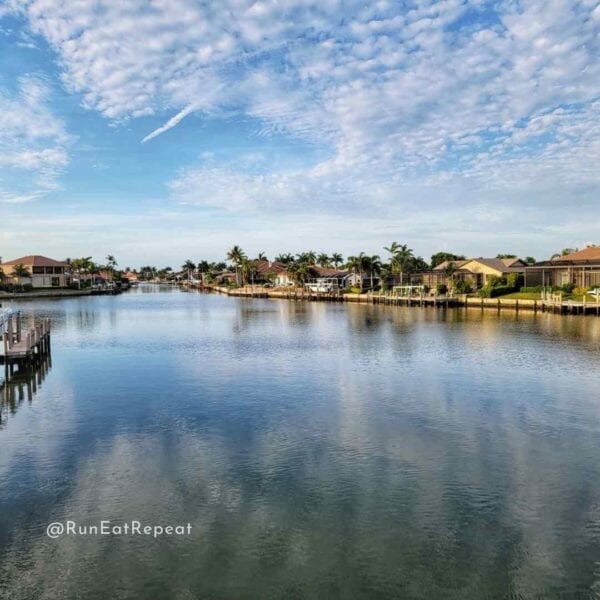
(35, 260)
(267, 266)
(589, 253)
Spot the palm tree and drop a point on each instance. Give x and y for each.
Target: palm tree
(236, 255)
(111, 263)
(402, 258)
(337, 259)
(80, 266)
(449, 273)
(298, 271)
(323, 260)
(284, 258)
(358, 265)
(190, 267)
(19, 271)
(261, 256)
(375, 266)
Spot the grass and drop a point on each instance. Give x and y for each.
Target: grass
(522, 296)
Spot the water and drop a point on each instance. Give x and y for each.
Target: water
(318, 450)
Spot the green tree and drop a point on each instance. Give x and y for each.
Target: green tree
(19, 271)
(439, 257)
(236, 255)
(323, 260)
(189, 267)
(111, 264)
(337, 259)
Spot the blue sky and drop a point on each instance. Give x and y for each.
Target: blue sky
(161, 130)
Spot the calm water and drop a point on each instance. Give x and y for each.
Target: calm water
(319, 451)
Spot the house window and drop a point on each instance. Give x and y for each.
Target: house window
(38, 270)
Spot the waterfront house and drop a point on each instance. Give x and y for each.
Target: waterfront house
(580, 268)
(268, 270)
(43, 272)
(475, 271)
(131, 276)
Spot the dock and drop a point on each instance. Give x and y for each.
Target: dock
(22, 346)
(552, 302)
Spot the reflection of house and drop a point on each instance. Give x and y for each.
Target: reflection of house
(43, 271)
(581, 268)
(476, 271)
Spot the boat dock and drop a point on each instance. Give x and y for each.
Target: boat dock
(20, 345)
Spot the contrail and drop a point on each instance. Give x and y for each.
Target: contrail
(171, 122)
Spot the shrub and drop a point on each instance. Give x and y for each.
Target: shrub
(568, 288)
(441, 288)
(494, 292)
(354, 289)
(463, 286)
(580, 291)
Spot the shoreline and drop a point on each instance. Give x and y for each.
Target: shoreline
(514, 304)
(44, 294)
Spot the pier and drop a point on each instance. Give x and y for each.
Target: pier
(19, 345)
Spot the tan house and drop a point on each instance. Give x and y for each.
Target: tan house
(131, 275)
(476, 271)
(581, 269)
(43, 272)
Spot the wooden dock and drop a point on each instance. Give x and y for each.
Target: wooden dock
(23, 346)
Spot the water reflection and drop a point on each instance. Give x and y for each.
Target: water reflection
(21, 384)
(319, 450)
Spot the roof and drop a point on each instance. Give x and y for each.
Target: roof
(35, 260)
(329, 272)
(444, 265)
(589, 253)
(266, 266)
(503, 265)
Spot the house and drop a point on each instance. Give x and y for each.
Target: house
(43, 272)
(475, 271)
(267, 270)
(327, 279)
(131, 276)
(224, 277)
(581, 269)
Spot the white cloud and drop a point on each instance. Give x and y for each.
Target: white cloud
(414, 104)
(33, 143)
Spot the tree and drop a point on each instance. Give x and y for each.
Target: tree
(530, 260)
(19, 271)
(439, 257)
(323, 260)
(506, 256)
(374, 265)
(298, 271)
(284, 258)
(111, 263)
(358, 265)
(261, 256)
(188, 266)
(402, 260)
(337, 259)
(236, 255)
(81, 266)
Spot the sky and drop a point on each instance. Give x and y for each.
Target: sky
(166, 130)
